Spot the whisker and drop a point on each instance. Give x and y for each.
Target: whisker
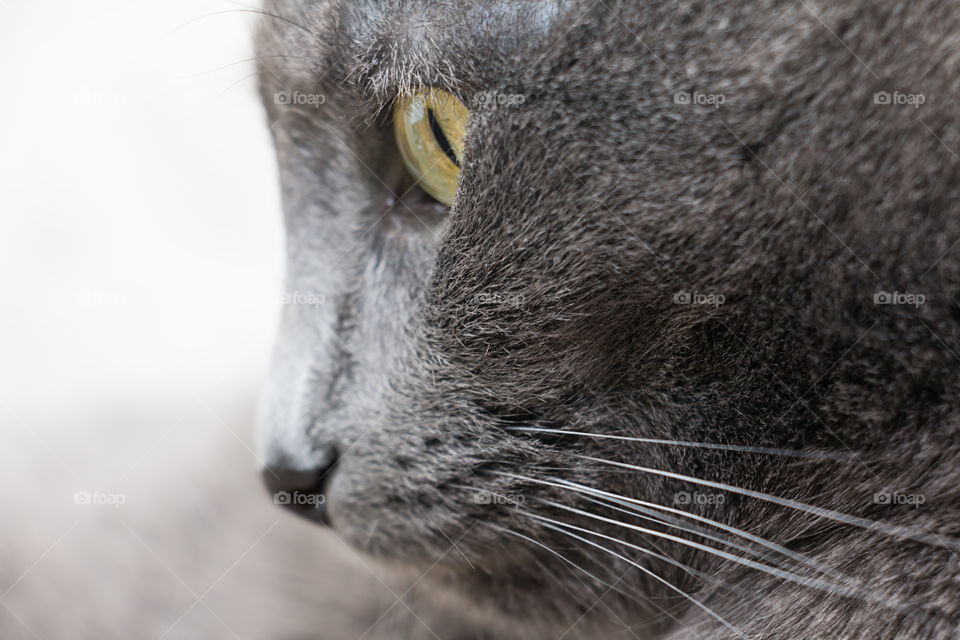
(215, 14)
(659, 556)
(634, 503)
(844, 588)
(610, 587)
(891, 530)
(246, 61)
(641, 505)
(687, 568)
(673, 523)
(758, 566)
(547, 522)
(796, 453)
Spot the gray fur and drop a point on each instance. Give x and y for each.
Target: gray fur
(588, 208)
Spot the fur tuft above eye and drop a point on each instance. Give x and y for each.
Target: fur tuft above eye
(430, 126)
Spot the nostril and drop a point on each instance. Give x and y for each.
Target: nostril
(300, 490)
(280, 479)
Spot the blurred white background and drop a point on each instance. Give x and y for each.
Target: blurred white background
(140, 267)
(140, 246)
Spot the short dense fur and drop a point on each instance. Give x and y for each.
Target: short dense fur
(547, 297)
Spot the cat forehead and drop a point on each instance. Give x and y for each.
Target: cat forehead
(390, 47)
(418, 20)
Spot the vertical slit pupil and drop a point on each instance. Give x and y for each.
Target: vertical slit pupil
(441, 138)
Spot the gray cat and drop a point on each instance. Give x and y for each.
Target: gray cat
(680, 361)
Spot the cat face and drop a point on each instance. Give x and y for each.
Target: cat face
(669, 227)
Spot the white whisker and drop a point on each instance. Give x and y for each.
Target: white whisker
(795, 453)
(687, 568)
(634, 503)
(547, 523)
(610, 587)
(864, 523)
(674, 523)
(840, 590)
(843, 589)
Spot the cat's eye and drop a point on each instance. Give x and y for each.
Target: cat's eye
(430, 126)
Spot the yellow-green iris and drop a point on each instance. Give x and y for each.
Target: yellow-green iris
(430, 125)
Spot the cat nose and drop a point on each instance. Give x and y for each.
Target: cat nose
(300, 490)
